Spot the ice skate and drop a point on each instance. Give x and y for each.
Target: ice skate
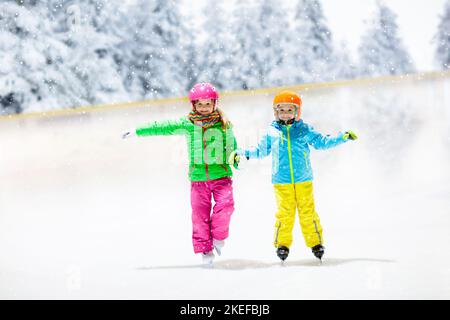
(282, 252)
(208, 259)
(318, 251)
(218, 245)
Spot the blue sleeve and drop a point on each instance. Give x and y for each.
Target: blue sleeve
(319, 141)
(262, 150)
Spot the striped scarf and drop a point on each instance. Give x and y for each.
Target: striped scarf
(204, 121)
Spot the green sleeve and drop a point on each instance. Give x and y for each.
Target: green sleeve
(163, 128)
(231, 144)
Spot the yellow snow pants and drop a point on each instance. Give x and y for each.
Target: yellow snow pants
(296, 196)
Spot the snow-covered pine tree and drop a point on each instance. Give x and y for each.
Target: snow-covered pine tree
(215, 59)
(312, 50)
(190, 50)
(344, 65)
(32, 72)
(85, 27)
(381, 51)
(191, 68)
(273, 40)
(442, 39)
(154, 54)
(58, 55)
(261, 36)
(24, 2)
(246, 29)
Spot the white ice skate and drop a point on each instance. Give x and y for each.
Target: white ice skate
(218, 245)
(208, 259)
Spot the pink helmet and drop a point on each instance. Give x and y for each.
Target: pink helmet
(203, 90)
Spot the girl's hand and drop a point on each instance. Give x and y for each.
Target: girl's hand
(234, 159)
(129, 134)
(349, 135)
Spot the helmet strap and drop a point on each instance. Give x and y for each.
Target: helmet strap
(286, 122)
(290, 121)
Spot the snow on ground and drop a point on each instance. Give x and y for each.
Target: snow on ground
(86, 215)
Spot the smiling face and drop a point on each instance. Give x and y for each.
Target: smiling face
(204, 106)
(286, 112)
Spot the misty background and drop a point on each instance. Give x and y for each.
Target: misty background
(68, 53)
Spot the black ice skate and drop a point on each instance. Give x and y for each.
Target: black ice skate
(318, 251)
(282, 252)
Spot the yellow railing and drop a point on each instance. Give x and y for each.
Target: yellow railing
(302, 87)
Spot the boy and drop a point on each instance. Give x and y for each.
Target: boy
(289, 138)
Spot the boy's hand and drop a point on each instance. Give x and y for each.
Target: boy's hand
(349, 135)
(234, 159)
(129, 134)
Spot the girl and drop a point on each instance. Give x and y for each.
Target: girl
(210, 143)
(289, 138)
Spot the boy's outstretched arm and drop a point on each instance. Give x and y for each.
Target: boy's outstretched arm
(350, 135)
(319, 141)
(167, 127)
(262, 150)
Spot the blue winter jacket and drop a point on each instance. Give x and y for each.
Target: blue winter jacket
(289, 145)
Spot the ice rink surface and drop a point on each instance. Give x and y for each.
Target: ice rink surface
(87, 215)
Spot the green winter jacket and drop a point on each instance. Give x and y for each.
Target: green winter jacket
(209, 149)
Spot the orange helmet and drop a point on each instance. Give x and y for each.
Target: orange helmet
(288, 98)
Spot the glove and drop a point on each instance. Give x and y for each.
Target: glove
(234, 159)
(129, 134)
(349, 135)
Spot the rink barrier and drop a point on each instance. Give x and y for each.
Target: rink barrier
(303, 87)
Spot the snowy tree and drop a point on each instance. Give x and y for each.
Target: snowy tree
(258, 31)
(382, 51)
(344, 65)
(25, 2)
(245, 27)
(312, 51)
(191, 63)
(274, 40)
(215, 60)
(442, 39)
(58, 55)
(190, 50)
(153, 60)
(84, 26)
(32, 73)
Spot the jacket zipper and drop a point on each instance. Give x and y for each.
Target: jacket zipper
(290, 155)
(204, 154)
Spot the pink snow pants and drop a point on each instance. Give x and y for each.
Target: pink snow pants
(207, 226)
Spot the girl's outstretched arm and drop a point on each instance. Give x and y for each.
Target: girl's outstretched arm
(163, 128)
(230, 142)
